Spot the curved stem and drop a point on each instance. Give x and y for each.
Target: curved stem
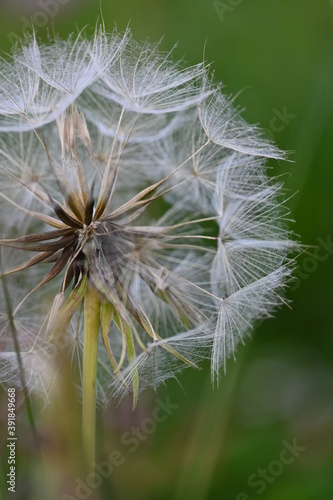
(90, 348)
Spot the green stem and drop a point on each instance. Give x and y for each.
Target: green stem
(90, 347)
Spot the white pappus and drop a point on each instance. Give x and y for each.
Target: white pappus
(128, 173)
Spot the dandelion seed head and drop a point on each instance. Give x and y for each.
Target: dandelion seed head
(134, 175)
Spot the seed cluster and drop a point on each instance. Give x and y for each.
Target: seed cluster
(131, 175)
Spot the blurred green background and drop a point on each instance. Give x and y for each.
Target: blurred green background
(227, 443)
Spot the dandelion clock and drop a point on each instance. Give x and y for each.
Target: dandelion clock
(140, 231)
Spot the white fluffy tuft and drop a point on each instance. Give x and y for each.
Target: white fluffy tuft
(187, 238)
